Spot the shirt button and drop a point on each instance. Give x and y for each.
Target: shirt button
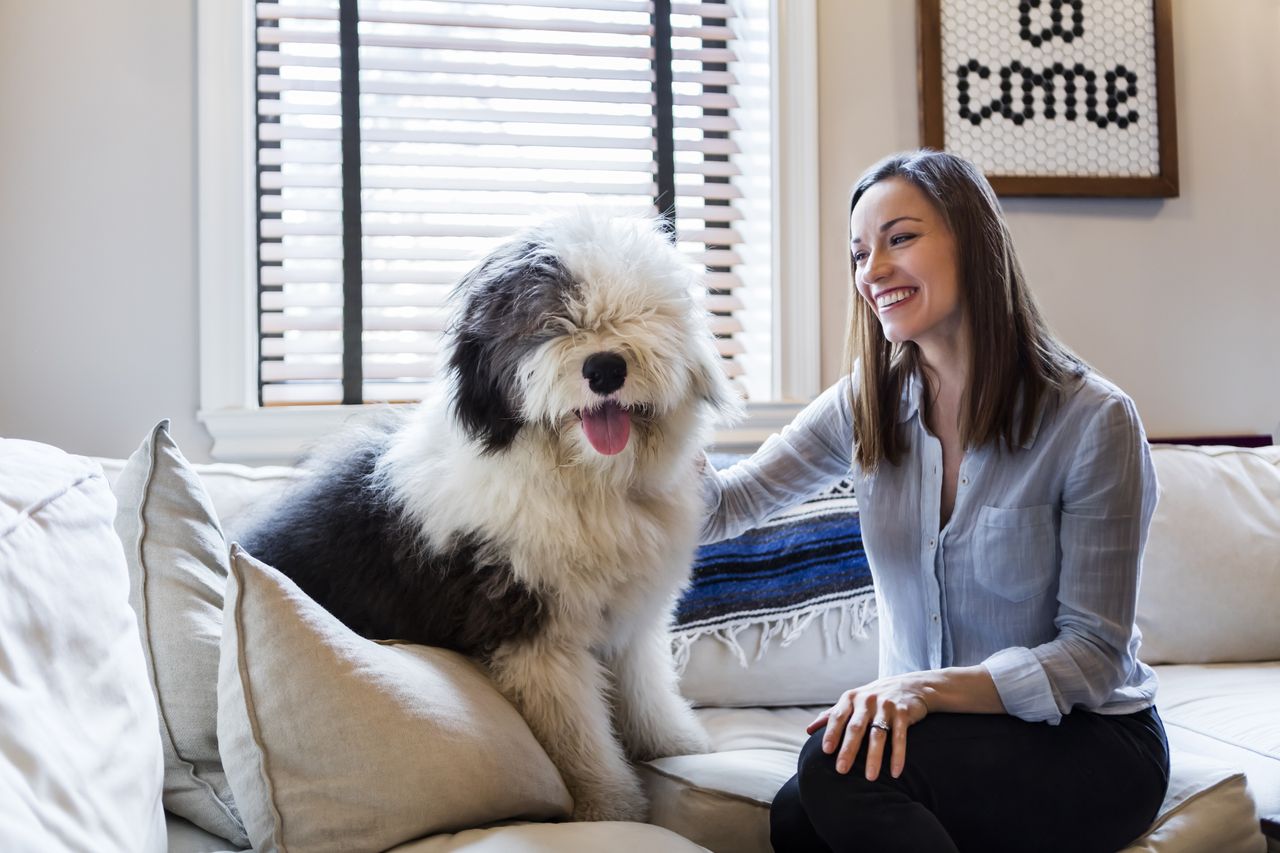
(935, 617)
(964, 481)
(932, 543)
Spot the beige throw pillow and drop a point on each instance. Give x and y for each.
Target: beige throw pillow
(1211, 571)
(335, 742)
(177, 570)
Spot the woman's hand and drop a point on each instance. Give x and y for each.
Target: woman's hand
(882, 711)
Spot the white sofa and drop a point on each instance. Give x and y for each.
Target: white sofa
(1210, 587)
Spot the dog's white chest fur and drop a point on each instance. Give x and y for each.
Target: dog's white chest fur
(604, 551)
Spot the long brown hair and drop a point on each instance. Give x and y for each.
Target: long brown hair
(1016, 364)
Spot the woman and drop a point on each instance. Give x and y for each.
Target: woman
(1005, 493)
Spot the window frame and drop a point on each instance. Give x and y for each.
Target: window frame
(244, 432)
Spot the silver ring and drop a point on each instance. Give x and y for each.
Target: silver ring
(881, 725)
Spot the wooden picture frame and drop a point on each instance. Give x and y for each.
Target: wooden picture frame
(1036, 95)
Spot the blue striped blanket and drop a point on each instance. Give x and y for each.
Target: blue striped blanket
(804, 563)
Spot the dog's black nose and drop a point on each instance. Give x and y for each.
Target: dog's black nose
(605, 372)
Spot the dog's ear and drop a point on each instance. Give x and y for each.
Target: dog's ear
(501, 305)
(478, 361)
(711, 384)
(480, 401)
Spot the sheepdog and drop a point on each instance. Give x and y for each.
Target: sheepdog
(541, 514)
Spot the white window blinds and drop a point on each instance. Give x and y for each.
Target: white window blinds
(474, 118)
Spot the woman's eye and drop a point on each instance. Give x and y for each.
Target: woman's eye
(859, 257)
(899, 239)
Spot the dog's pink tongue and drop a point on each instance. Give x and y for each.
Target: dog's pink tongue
(607, 428)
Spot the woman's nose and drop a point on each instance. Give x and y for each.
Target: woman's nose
(877, 267)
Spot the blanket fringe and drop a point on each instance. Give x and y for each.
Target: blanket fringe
(839, 621)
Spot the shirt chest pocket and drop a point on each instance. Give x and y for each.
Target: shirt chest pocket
(1015, 551)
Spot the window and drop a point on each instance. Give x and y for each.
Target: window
(473, 117)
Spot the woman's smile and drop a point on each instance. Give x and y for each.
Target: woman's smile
(894, 297)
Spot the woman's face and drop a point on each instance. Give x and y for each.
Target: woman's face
(905, 264)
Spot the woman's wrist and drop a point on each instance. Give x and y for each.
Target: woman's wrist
(960, 690)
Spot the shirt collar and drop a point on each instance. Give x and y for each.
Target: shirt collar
(909, 404)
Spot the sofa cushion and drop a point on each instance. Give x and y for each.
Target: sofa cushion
(1230, 713)
(178, 568)
(80, 759)
(335, 742)
(721, 800)
(555, 838)
(1211, 572)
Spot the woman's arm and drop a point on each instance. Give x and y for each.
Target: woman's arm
(1107, 504)
(813, 451)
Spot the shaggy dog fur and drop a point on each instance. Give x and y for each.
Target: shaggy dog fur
(541, 517)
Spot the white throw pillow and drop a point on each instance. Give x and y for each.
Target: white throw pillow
(80, 761)
(1211, 572)
(335, 742)
(812, 667)
(178, 566)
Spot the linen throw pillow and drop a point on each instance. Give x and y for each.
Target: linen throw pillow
(335, 742)
(178, 568)
(80, 761)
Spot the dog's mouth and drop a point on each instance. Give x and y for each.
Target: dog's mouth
(608, 425)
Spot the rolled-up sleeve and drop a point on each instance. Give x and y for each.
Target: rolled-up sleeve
(1107, 503)
(812, 452)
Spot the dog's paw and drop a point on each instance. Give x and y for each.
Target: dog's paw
(688, 738)
(625, 802)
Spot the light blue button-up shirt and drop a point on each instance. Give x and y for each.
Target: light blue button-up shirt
(1035, 575)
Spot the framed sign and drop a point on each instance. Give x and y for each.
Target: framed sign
(1052, 97)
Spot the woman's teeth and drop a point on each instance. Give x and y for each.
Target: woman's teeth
(893, 297)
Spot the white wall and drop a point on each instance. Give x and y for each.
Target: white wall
(98, 336)
(1178, 301)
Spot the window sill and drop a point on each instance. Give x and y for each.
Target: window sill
(280, 436)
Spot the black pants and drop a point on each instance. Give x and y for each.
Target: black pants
(984, 782)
